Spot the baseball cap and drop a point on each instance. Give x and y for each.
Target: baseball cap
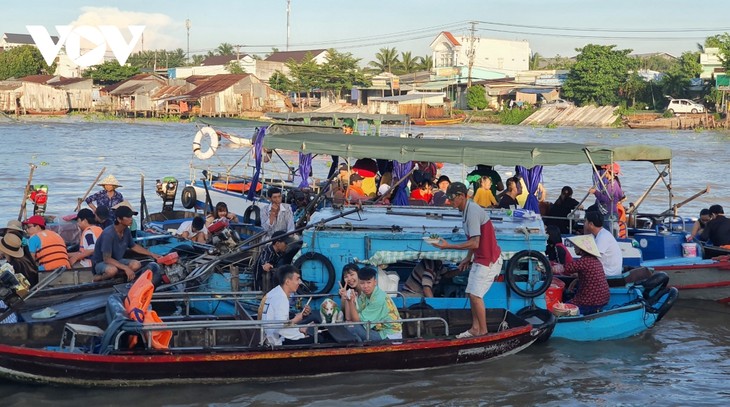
(356, 177)
(85, 214)
(124, 212)
(456, 188)
(35, 220)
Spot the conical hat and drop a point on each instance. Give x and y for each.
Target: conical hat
(586, 243)
(110, 180)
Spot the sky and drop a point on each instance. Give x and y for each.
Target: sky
(362, 27)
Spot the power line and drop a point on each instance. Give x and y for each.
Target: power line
(594, 36)
(614, 30)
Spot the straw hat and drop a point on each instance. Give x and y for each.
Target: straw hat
(585, 243)
(11, 245)
(125, 203)
(109, 180)
(15, 225)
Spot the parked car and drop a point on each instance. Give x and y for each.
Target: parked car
(559, 103)
(684, 106)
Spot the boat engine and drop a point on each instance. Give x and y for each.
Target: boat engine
(222, 237)
(13, 286)
(171, 269)
(167, 190)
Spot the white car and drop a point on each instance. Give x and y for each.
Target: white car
(684, 106)
(559, 103)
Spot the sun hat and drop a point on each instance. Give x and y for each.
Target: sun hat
(615, 168)
(11, 245)
(109, 180)
(586, 243)
(383, 188)
(456, 188)
(124, 212)
(124, 203)
(35, 220)
(14, 225)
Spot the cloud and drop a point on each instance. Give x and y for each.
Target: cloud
(157, 31)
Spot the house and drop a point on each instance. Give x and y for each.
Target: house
(277, 61)
(492, 58)
(26, 97)
(79, 91)
(424, 105)
(500, 92)
(10, 40)
(711, 63)
(133, 95)
(214, 65)
(232, 95)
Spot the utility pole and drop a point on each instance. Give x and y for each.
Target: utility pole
(238, 52)
(288, 30)
(471, 51)
(187, 26)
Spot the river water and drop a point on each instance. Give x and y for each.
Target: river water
(684, 361)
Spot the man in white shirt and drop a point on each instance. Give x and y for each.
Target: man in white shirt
(276, 215)
(276, 308)
(194, 230)
(611, 257)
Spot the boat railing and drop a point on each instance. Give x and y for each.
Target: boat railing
(211, 330)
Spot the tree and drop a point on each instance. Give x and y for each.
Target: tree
(341, 73)
(408, 63)
(675, 84)
(279, 81)
(223, 48)
(633, 87)
(198, 60)
(23, 61)
(559, 62)
(598, 74)
(235, 67)
(110, 72)
(157, 59)
(425, 63)
(721, 41)
(476, 97)
(305, 75)
(535, 61)
(385, 60)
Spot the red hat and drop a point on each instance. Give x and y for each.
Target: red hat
(616, 169)
(35, 220)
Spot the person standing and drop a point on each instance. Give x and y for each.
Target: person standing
(47, 247)
(483, 255)
(277, 215)
(108, 196)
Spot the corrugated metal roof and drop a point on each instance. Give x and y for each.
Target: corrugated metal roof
(10, 85)
(297, 56)
(36, 78)
(197, 79)
(168, 91)
(412, 96)
(218, 60)
(138, 77)
(215, 84)
(24, 39)
(68, 81)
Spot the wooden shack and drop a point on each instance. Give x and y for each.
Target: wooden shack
(234, 94)
(22, 97)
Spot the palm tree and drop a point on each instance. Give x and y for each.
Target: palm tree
(408, 63)
(385, 60)
(535, 61)
(425, 63)
(224, 49)
(198, 59)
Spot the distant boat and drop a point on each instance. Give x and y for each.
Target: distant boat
(46, 112)
(438, 122)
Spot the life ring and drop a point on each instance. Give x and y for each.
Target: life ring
(514, 266)
(325, 263)
(672, 294)
(188, 197)
(214, 139)
(253, 209)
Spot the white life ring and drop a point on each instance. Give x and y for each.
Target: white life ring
(210, 133)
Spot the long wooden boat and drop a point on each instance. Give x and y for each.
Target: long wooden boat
(231, 350)
(438, 122)
(708, 280)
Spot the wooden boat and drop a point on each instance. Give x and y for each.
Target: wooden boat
(438, 122)
(702, 279)
(41, 112)
(218, 349)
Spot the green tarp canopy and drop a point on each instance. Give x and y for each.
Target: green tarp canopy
(230, 122)
(467, 152)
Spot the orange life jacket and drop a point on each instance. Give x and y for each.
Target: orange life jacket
(622, 232)
(52, 253)
(137, 306)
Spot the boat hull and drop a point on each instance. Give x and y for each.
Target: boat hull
(701, 281)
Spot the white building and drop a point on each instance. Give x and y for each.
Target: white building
(492, 57)
(711, 64)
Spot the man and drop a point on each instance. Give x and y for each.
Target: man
(90, 233)
(611, 257)
(509, 198)
(47, 247)
(275, 307)
(717, 230)
(194, 230)
(483, 254)
(267, 261)
(424, 277)
(103, 217)
(355, 193)
(108, 259)
(372, 305)
(276, 215)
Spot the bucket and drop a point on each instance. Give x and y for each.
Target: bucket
(689, 249)
(554, 293)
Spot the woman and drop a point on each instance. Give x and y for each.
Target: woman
(557, 253)
(108, 196)
(592, 293)
(484, 196)
(350, 283)
(699, 225)
(11, 247)
(423, 193)
(563, 206)
(221, 211)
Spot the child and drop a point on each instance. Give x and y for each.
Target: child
(484, 196)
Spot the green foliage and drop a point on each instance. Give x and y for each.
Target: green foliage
(559, 62)
(23, 61)
(425, 63)
(598, 75)
(632, 87)
(197, 60)
(386, 60)
(476, 97)
(110, 72)
(675, 84)
(235, 67)
(341, 73)
(515, 116)
(656, 63)
(157, 59)
(407, 64)
(223, 48)
(721, 41)
(535, 61)
(280, 82)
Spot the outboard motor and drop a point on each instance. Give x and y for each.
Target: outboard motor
(171, 269)
(654, 287)
(167, 190)
(13, 287)
(222, 237)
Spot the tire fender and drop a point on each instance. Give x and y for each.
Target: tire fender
(188, 197)
(326, 263)
(513, 265)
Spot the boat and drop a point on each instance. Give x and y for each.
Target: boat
(211, 349)
(438, 121)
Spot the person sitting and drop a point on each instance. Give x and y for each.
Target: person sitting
(276, 215)
(563, 206)
(194, 230)
(355, 192)
(439, 197)
(11, 247)
(488, 170)
(372, 305)
(699, 226)
(108, 196)
(557, 253)
(509, 198)
(484, 196)
(268, 260)
(592, 292)
(134, 227)
(611, 256)
(424, 277)
(108, 260)
(47, 247)
(220, 212)
(423, 193)
(384, 194)
(276, 308)
(717, 230)
(350, 284)
(103, 217)
(90, 232)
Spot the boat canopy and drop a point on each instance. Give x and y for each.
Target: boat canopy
(467, 152)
